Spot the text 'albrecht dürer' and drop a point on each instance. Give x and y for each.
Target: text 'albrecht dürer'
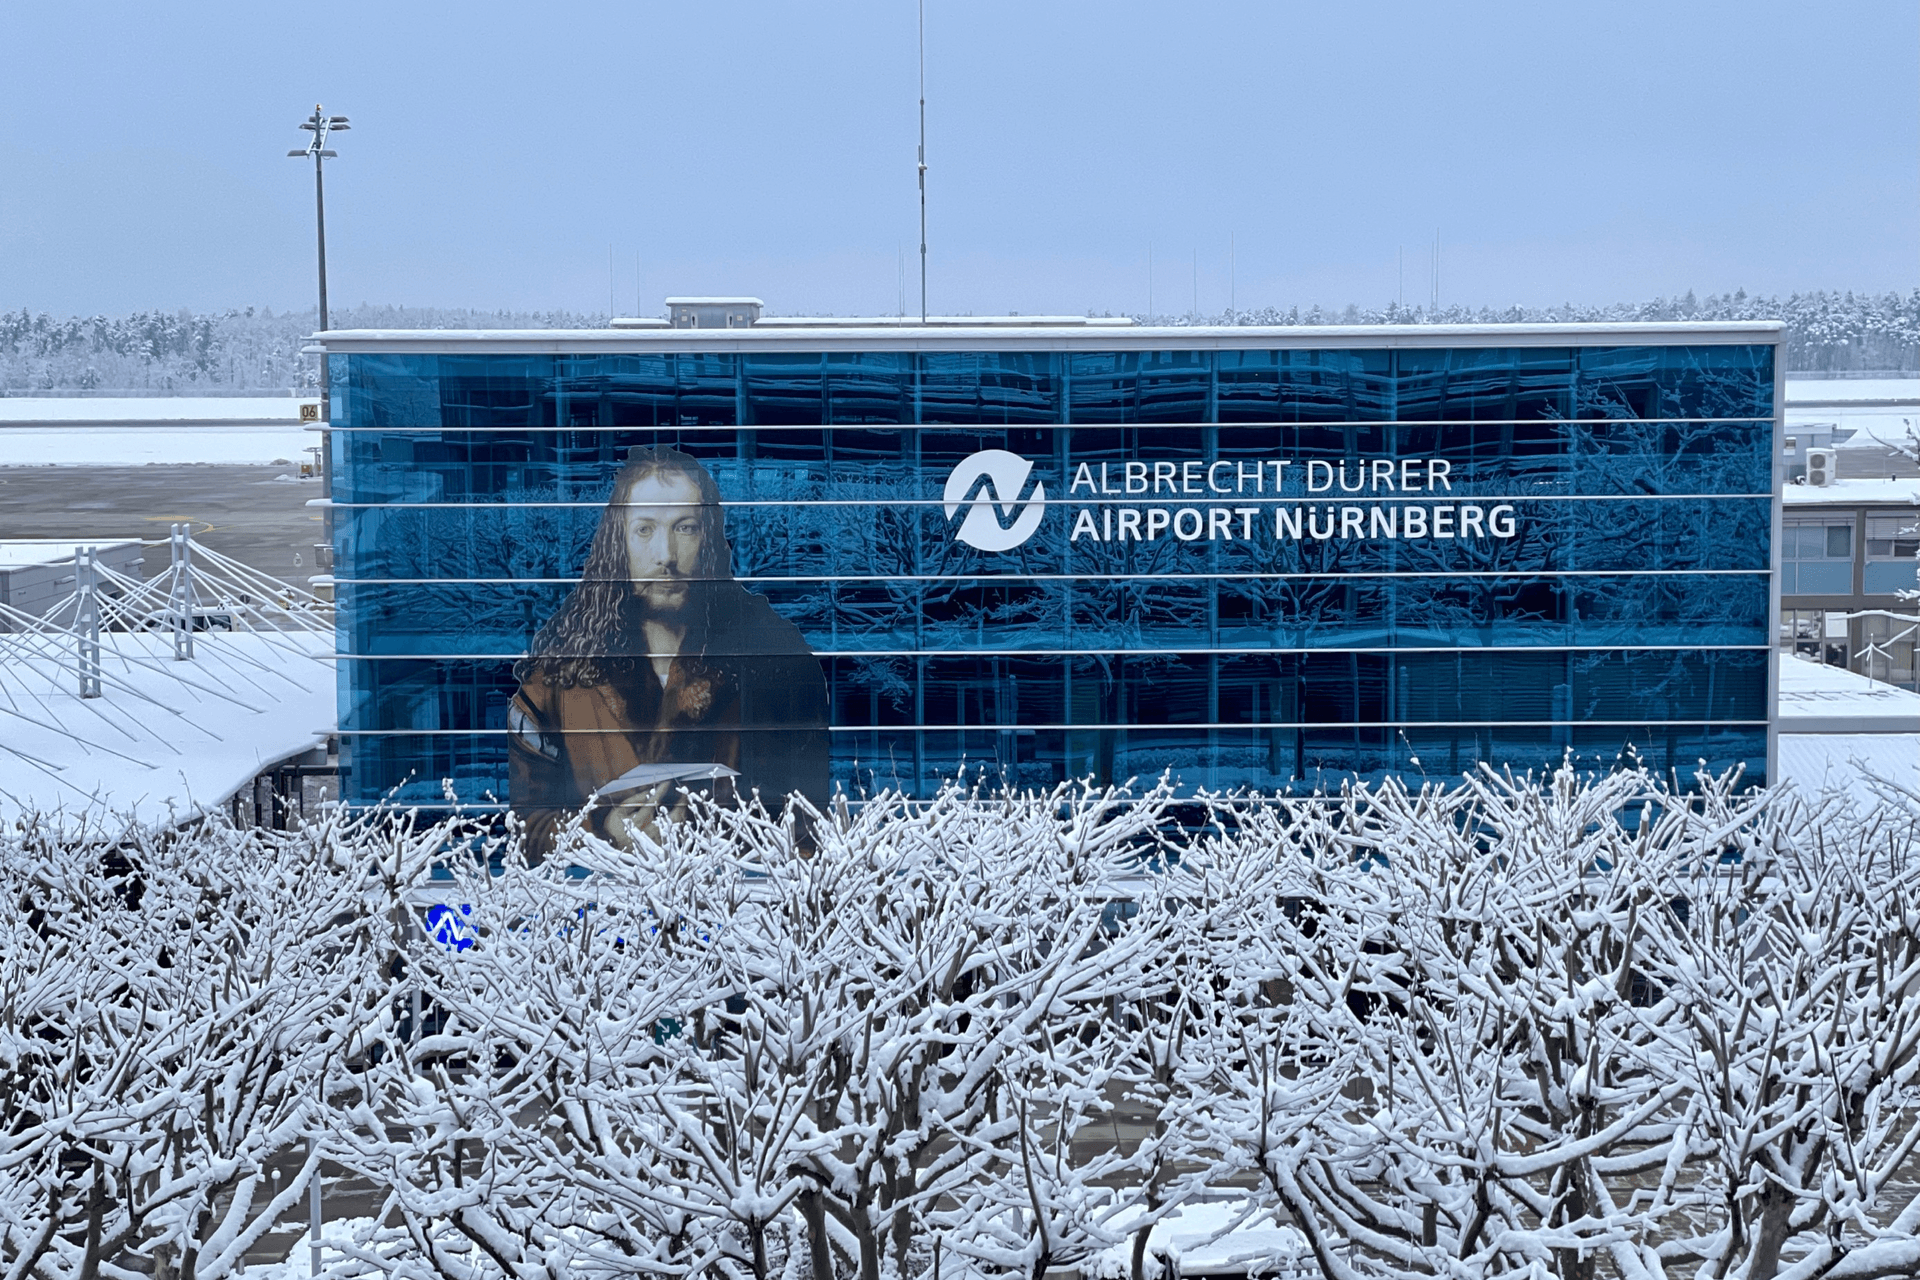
(1197, 478)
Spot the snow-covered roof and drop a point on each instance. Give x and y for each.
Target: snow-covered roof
(20, 553)
(1841, 732)
(1817, 698)
(1853, 493)
(1851, 764)
(1014, 336)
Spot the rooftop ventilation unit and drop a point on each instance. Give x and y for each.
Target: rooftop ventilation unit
(713, 313)
(1821, 467)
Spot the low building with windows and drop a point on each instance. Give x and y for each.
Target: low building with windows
(1849, 548)
(1036, 549)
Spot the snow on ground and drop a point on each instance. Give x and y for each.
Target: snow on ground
(130, 447)
(1801, 390)
(166, 739)
(118, 432)
(1859, 404)
(299, 1263)
(1258, 1246)
(1842, 731)
(137, 410)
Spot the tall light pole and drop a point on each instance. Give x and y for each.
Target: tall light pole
(320, 124)
(923, 161)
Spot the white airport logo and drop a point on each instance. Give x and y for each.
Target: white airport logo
(991, 523)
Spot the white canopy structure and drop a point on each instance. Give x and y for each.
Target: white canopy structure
(155, 701)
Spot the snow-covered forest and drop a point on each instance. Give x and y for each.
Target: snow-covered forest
(1572, 1027)
(161, 353)
(184, 353)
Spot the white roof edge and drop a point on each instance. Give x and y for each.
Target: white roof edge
(1884, 402)
(1821, 726)
(1853, 491)
(942, 322)
(1043, 338)
(714, 302)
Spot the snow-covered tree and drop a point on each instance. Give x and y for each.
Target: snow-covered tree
(1572, 1026)
(177, 1007)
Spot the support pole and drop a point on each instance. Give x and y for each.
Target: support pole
(183, 593)
(87, 582)
(323, 126)
(326, 373)
(923, 161)
(320, 234)
(418, 936)
(313, 1208)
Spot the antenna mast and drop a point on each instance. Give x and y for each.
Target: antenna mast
(923, 161)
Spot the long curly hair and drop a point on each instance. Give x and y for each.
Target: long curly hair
(595, 626)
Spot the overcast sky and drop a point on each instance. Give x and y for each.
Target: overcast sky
(1583, 152)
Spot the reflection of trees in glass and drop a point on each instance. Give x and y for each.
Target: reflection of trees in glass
(1690, 426)
(1672, 692)
(526, 536)
(844, 574)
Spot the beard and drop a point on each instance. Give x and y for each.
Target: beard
(663, 598)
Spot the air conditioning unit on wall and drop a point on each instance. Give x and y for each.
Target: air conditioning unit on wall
(1821, 467)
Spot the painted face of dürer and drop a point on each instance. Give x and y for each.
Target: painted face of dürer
(663, 535)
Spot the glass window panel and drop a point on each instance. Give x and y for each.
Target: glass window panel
(1882, 526)
(1824, 578)
(1818, 541)
(970, 387)
(1893, 536)
(1890, 576)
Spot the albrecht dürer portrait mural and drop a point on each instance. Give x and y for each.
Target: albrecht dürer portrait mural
(660, 674)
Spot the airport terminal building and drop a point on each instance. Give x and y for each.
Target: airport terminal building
(873, 554)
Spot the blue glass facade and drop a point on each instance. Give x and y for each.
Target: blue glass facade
(1365, 561)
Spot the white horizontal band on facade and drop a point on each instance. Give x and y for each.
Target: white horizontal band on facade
(976, 428)
(1126, 653)
(985, 340)
(1136, 500)
(1137, 727)
(1224, 576)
